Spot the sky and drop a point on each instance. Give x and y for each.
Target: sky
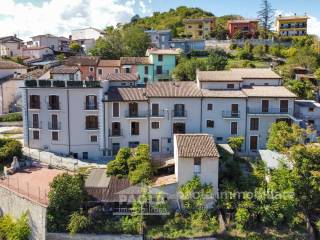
(32, 17)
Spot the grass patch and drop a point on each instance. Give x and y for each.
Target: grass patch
(239, 63)
(11, 117)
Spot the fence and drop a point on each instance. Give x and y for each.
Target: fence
(27, 189)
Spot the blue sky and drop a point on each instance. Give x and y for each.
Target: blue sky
(29, 17)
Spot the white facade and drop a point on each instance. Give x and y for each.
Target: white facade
(86, 37)
(37, 52)
(10, 49)
(67, 76)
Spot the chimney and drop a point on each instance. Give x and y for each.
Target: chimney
(280, 15)
(295, 14)
(15, 35)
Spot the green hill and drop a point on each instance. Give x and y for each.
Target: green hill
(173, 19)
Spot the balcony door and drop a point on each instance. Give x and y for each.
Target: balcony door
(91, 102)
(265, 106)
(54, 121)
(179, 128)
(133, 109)
(116, 129)
(284, 106)
(35, 121)
(179, 110)
(253, 143)
(234, 110)
(54, 102)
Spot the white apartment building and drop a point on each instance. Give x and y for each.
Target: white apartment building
(86, 37)
(242, 102)
(50, 41)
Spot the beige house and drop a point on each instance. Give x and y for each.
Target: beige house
(10, 46)
(199, 27)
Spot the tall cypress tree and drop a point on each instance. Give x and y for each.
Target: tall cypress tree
(265, 16)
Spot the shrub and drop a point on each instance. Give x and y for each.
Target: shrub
(233, 46)
(30, 83)
(119, 166)
(8, 149)
(92, 84)
(78, 223)
(15, 229)
(243, 54)
(58, 83)
(75, 84)
(11, 117)
(44, 83)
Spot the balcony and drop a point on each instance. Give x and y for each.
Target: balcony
(35, 125)
(269, 111)
(90, 106)
(54, 106)
(179, 114)
(230, 114)
(159, 114)
(139, 114)
(115, 133)
(54, 125)
(33, 105)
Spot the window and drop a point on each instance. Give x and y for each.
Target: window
(230, 86)
(91, 69)
(116, 129)
(284, 106)
(54, 102)
(310, 122)
(71, 77)
(210, 124)
(145, 80)
(133, 144)
(115, 109)
(160, 58)
(34, 102)
(127, 70)
(179, 128)
(234, 128)
(35, 120)
(100, 71)
(146, 70)
(234, 110)
(155, 145)
(179, 110)
(197, 166)
(265, 106)
(155, 109)
(116, 70)
(55, 136)
(253, 143)
(311, 109)
(115, 148)
(36, 135)
(134, 128)
(209, 107)
(133, 109)
(54, 125)
(155, 125)
(219, 138)
(85, 155)
(91, 122)
(254, 124)
(91, 102)
(159, 69)
(94, 138)
(169, 140)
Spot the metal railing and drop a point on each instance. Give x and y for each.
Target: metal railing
(35, 125)
(115, 133)
(54, 126)
(90, 106)
(269, 111)
(160, 113)
(54, 106)
(139, 114)
(230, 114)
(177, 114)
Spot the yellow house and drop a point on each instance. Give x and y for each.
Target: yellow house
(199, 27)
(291, 25)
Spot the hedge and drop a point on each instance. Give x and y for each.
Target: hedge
(11, 117)
(8, 149)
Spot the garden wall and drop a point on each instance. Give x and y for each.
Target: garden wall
(65, 236)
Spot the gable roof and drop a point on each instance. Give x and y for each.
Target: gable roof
(109, 63)
(173, 89)
(134, 60)
(82, 60)
(65, 69)
(10, 39)
(196, 145)
(97, 178)
(268, 91)
(223, 93)
(122, 77)
(280, 17)
(4, 64)
(196, 20)
(170, 51)
(118, 94)
(243, 21)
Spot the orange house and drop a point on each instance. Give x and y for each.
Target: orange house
(248, 28)
(87, 65)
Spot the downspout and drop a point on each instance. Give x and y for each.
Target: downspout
(27, 118)
(69, 137)
(2, 99)
(148, 127)
(104, 126)
(201, 100)
(246, 127)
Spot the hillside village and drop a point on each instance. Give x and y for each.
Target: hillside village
(178, 125)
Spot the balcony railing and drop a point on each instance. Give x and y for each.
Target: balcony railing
(34, 105)
(92, 128)
(54, 126)
(115, 133)
(160, 113)
(53, 106)
(139, 114)
(230, 114)
(90, 106)
(269, 111)
(35, 125)
(179, 114)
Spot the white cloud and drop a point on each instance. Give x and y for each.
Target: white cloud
(61, 16)
(313, 22)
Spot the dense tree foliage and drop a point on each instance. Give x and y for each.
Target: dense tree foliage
(266, 15)
(74, 46)
(9, 148)
(66, 196)
(122, 42)
(11, 229)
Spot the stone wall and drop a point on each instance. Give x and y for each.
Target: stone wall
(15, 204)
(65, 236)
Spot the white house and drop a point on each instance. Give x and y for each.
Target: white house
(242, 102)
(86, 37)
(50, 41)
(37, 52)
(10, 46)
(69, 73)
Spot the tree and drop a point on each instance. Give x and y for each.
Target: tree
(9, 148)
(306, 182)
(282, 136)
(12, 229)
(216, 62)
(305, 57)
(236, 143)
(136, 41)
(119, 166)
(303, 89)
(74, 46)
(259, 51)
(78, 223)
(66, 196)
(265, 16)
(187, 68)
(220, 32)
(60, 57)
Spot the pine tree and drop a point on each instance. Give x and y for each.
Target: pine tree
(265, 16)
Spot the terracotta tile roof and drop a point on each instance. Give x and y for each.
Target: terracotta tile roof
(171, 51)
(65, 70)
(97, 178)
(4, 64)
(268, 91)
(243, 20)
(82, 60)
(34, 48)
(164, 180)
(223, 93)
(134, 60)
(109, 63)
(9, 39)
(118, 94)
(196, 20)
(237, 75)
(196, 145)
(291, 17)
(173, 89)
(122, 77)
